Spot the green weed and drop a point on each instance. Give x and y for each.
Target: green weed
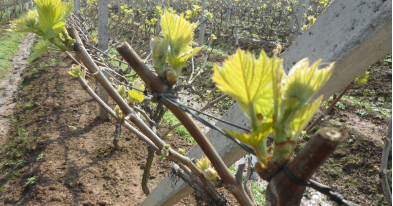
(14, 175)
(28, 104)
(12, 118)
(31, 71)
(55, 62)
(340, 105)
(387, 58)
(215, 51)
(335, 123)
(9, 163)
(169, 117)
(233, 169)
(259, 193)
(353, 100)
(20, 162)
(71, 127)
(9, 45)
(369, 108)
(31, 180)
(209, 64)
(361, 112)
(40, 156)
(21, 132)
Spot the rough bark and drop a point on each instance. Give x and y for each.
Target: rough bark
(384, 164)
(282, 190)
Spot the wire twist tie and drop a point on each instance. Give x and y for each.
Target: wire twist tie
(95, 73)
(335, 196)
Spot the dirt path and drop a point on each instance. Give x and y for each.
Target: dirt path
(9, 86)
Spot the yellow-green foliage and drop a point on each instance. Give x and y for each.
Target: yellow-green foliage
(119, 113)
(174, 47)
(209, 173)
(362, 79)
(271, 99)
(311, 21)
(165, 150)
(75, 70)
(135, 96)
(121, 89)
(47, 21)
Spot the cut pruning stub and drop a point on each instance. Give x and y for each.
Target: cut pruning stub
(273, 101)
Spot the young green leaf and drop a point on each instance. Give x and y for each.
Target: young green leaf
(254, 138)
(209, 173)
(257, 139)
(165, 150)
(28, 24)
(273, 101)
(134, 95)
(40, 48)
(121, 89)
(203, 163)
(178, 62)
(248, 80)
(75, 70)
(178, 35)
(303, 82)
(47, 21)
(119, 113)
(159, 47)
(178, 30)
(301, 117)
(52, 15)
(362, 79)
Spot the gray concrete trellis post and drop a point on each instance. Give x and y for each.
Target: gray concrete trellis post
(202, 24)
(103, 38)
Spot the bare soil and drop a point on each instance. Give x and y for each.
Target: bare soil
(56, 139)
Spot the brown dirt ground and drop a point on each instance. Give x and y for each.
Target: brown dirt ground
(54, 117)
(353, 168)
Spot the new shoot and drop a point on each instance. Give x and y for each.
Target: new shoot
(273, 101)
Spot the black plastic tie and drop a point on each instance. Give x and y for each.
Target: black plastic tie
(335, 196)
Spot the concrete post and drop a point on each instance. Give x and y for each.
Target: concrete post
(292, 23)
(202, 25)
(15, 9)
(8, 10)
(165, 194)
(228, 16)
(303, 9)
(77, 5)
(353, 33)
(103, 38)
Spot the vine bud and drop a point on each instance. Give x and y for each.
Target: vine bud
(165, 150)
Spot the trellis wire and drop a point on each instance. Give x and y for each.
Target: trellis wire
(335, 196)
